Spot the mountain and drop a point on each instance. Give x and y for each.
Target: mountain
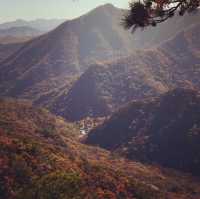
(103, 88)
(18, 34)
(40, 157)
(150, 37)
(44, 25)
(164, 130)
(14, 40)
(45, 64)
(22, 31)
(45, 69)
(7, 49)
(142, 39)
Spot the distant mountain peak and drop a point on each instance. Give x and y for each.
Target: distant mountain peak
(107, 5)
(105, 8)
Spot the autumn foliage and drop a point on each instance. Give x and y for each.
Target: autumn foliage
(40, 158)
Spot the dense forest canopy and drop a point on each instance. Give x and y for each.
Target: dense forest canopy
(151, 12)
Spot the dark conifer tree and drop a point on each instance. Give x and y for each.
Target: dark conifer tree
(151, 12)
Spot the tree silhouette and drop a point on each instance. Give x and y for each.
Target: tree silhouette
(151, 12)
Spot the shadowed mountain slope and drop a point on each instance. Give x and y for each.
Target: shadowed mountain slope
(104, 88)
(45, 64)
(163, 130)
(8, 49)
(44, 69)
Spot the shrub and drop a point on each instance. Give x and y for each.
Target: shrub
(57, 185)
(47, 131)
(144, 191)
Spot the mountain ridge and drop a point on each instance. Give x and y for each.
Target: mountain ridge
(162, 130)
(63, 52)
(39, 154)
(143, 74)
(41, 24)
(46, 75)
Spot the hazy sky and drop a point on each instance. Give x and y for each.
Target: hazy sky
(32, 9)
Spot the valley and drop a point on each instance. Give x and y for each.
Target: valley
(89, 110)
(40, 150)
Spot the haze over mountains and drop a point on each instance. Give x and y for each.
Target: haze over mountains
(164, 31)
(44, 25)
(64, 52)
(46, 67)
(144, 87)
(22, 31)
(104, 88)
(17, 35)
